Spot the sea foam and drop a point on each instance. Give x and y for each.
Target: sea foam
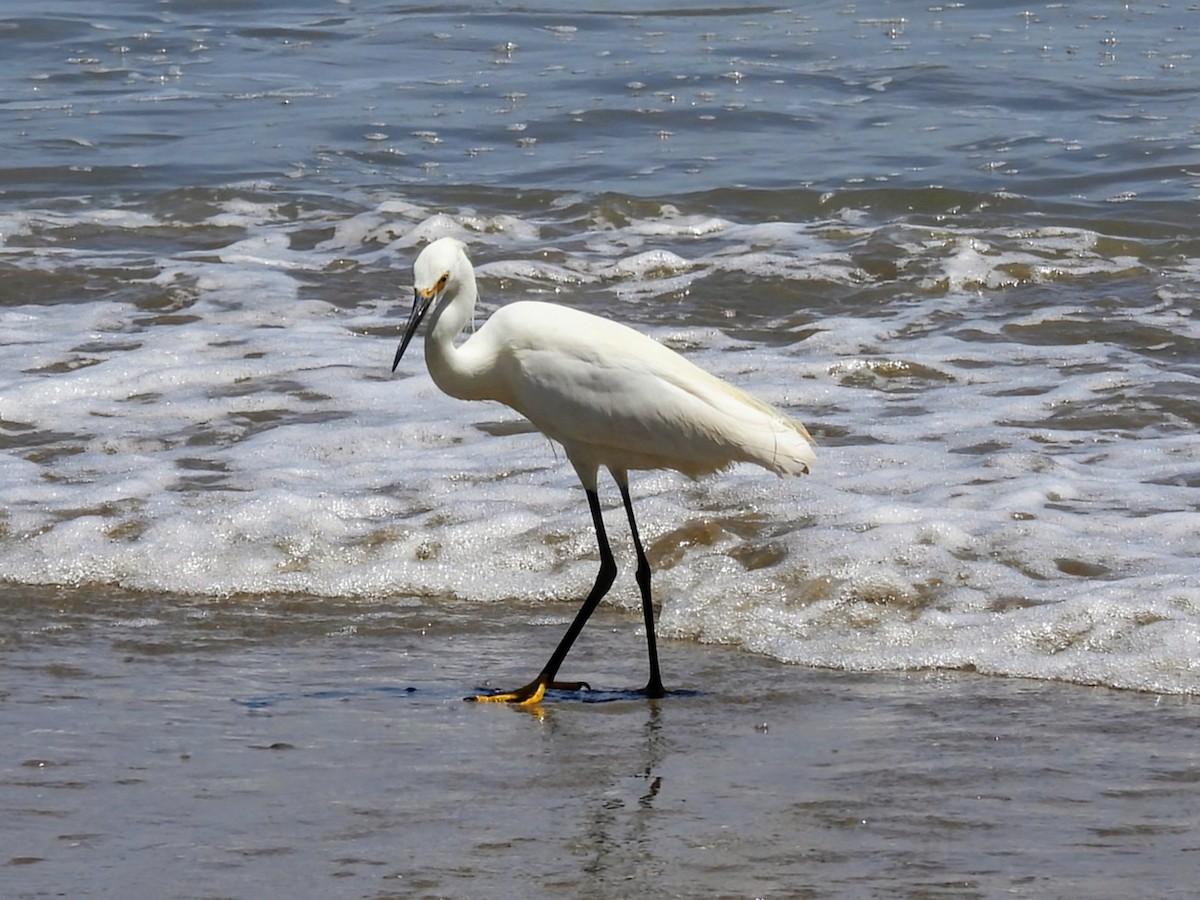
(991, 491)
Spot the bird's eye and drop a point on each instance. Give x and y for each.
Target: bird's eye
(441, 282)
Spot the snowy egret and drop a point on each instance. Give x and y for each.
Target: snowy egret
(611, 396)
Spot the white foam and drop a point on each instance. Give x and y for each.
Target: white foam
(962, 513)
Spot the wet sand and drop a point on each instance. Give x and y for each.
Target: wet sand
(154, 748)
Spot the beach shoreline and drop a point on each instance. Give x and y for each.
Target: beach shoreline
(252, 760)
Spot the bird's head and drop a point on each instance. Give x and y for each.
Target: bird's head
(434, 273)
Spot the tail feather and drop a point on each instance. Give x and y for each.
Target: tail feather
(785, 449)
(762, 434)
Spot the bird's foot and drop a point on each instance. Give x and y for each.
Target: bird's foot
(531, 694)
(654, 690)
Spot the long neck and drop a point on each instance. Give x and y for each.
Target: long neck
(455, 370)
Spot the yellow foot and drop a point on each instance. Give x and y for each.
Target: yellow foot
(529, 695)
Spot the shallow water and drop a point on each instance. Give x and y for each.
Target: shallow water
(186, 748)
(958, 242)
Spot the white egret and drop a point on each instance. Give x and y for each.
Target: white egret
(609, 395)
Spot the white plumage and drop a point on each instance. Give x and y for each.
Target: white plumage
(611, 396)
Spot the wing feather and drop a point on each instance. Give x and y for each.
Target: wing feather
(617, 398)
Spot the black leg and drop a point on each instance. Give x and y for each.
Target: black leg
(604, 580)
(654, 687)
(533, 692)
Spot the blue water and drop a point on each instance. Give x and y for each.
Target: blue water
(958, 242)
(1054, 104)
